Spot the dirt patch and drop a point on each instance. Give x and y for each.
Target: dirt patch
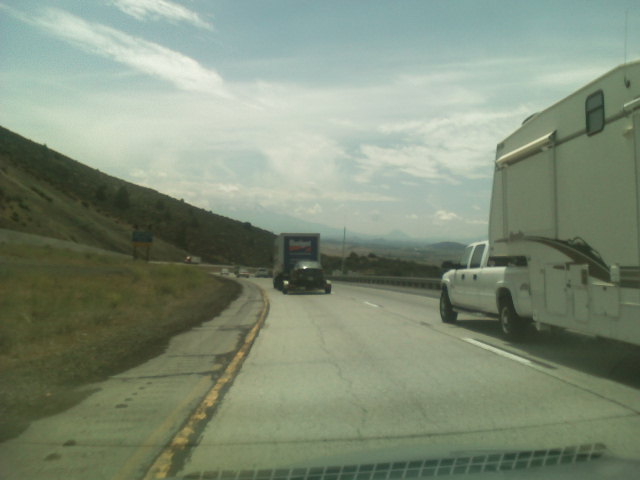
(46, 376)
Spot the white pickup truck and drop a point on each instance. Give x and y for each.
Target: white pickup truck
(497, 286)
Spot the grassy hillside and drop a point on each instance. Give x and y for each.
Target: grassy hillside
(68, 318)
(46, 193)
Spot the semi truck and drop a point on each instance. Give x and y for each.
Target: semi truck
(297, 263)
(566, 196)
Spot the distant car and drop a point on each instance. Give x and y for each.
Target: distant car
(224, 272)
(306, 276)
(243, 273)
(263, 273)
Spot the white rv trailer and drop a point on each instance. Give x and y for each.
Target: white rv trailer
(566, 195)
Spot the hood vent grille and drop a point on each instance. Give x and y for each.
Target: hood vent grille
(486, 462)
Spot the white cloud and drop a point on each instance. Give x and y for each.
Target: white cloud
(160, 9)
(427, 80)
(283, 197)
(452, 147)
(415, 161)
(138, 173)
(445, 216)
(314, 210)
(304, 160)
(226, 188)
(570, 78)
(142, 55)
(478, 222)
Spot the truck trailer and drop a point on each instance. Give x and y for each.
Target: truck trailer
(566, 197)
(297, 263)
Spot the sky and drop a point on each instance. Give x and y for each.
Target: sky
(377, 116)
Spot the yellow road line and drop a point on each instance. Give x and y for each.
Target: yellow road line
(160, 467)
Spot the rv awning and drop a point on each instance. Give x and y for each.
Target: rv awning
(632, 105)
(526, 150)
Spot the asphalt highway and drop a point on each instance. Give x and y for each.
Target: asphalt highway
(374, 374)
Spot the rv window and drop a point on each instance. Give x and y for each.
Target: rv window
(477, 257)
(594, 108)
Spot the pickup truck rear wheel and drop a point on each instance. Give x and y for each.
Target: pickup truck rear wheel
(447, 313)
(513, 325)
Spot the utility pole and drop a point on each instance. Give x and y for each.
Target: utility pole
(344, 245)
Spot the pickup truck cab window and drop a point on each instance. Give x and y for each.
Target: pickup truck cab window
(476, 259)
(464, 261)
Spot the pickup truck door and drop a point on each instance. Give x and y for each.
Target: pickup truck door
(474, 275)
(489, 276)
(461, 293)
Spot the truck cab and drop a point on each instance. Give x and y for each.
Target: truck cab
(306, 276)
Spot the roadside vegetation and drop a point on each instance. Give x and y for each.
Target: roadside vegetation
(69, 318)
(373, 264)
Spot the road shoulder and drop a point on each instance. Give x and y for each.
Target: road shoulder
(119, 429)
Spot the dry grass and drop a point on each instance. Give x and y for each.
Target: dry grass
(68, 318)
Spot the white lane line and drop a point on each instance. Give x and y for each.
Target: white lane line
(372, 304)
(499, 351)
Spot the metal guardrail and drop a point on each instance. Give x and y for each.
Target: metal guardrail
(411, 282)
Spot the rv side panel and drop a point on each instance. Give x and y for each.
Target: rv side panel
(566, 196)
(597, 198)
(579, 184)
